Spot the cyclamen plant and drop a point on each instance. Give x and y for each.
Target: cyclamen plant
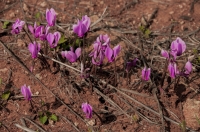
(39, 31)
(17, 26)
(34, 48)
(26, 92)
(82, 26)
(146, 74)
(53, 39)
(51, 17)
(177, 48)
(71, 55)
(87, 109)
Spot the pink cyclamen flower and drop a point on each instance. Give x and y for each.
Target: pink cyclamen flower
(188, 68)
(87, 109)
(17, 26)
(165, 54)
(51, 17)
(104, 40)
(44, 33)
(131, 64)
(97, 54)
(177, 47)
(26, 91)
(146, 73)
(82, 26)
(173, 71)
(53, 39)
(111, 54)
(34, 48)
(71, 55)
(35, 30)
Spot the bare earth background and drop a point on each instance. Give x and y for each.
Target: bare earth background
(121, 19)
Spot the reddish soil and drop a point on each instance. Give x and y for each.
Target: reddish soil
(173, 18)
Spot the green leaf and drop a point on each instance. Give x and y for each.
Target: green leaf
(147, 33)
(5, 24)
(0, 81)
(43, 119)
(5, 95)
(142, 28)
(62, 39)
(53, 117)
(37, 15)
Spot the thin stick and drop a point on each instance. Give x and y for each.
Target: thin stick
(24, 128)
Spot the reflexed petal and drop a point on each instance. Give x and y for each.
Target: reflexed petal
(31, 29)
(165, 54)
(86, 22)
(50, 39)
(178, 46)
(172, 70)
(87, 109)
(71, 56)
(116, 50)
(188, 67)
(109, 54)
(57, 36)
(78, 52)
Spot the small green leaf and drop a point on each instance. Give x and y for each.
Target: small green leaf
(62, 39)
(5, 24)
(0, 81)
(5, 95)
(53, 117)
(37, 15)
(195, 51)
(142, 28)
(43, 119)
(147, 33)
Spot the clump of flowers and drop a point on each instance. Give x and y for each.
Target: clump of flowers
(34, 48)
(87, 109)
(82, 26)
(39, 31)
(26, 92)
(71, 55)
(17, 26)
(177, 48)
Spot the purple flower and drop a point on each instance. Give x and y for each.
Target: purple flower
(177, 47)
(82, 26)
(17, 26)
(71, 55)
(53, 39)
(97, 54)
(34, 49)
(51, 17)
(146, 73)
(111, 54)
(35, 30)
(44, 33)
(26, 91)
(188, 68)
(131, 64)
(173, 71)
(165, 54)
(87, 109)
(104, 40)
